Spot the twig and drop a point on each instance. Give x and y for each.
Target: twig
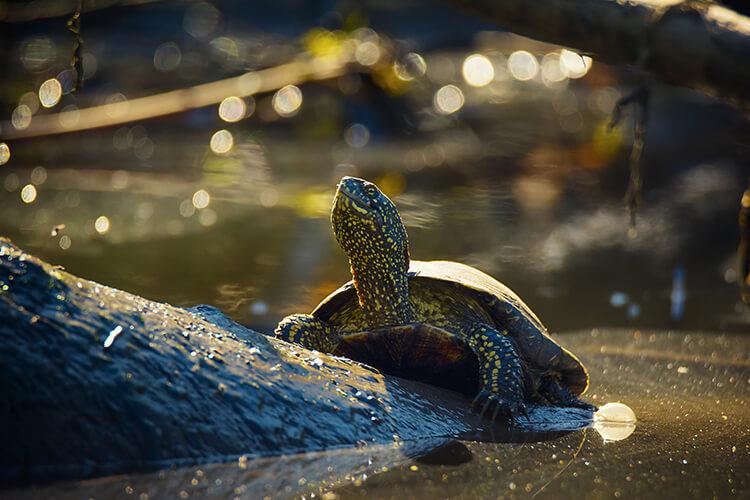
(74, 26)
(639, 99)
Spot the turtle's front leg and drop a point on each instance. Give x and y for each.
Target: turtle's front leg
(500, 372)
(309, 332)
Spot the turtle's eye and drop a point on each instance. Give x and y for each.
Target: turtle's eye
(371, 190)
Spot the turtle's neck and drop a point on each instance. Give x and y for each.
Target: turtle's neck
(383, 290)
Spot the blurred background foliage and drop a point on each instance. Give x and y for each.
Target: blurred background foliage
(495, 148)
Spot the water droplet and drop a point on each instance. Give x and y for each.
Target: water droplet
(112, 336)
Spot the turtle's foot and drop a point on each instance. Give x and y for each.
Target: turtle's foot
(495, 405)
(558, 394)
(309, 332)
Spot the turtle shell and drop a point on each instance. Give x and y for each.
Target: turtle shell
(538, 349)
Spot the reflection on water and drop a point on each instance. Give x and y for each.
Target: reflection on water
(614, 422)
(185, 242)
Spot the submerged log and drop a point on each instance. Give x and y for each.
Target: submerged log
(98, 381)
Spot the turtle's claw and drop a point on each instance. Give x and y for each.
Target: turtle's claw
(500, 405)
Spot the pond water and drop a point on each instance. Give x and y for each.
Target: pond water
(263, 247)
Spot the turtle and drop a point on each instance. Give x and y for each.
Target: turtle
(440, 322)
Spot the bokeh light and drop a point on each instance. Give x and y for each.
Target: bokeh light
(21, 117)
(102, 224)
(4, 153)
(38, 176)
(478, 70)
(201, 20)
(201, 199)
(367, 53)
(551, 69)
(523, 65)
(50, 92)
(232, 109)
(357, 135)
(65, 242)
(574, 65)
(167, 57)
(28, 193)
(287, 101)
(222, 142)
(448, 99)
(37, 53)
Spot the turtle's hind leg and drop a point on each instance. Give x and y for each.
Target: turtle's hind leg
(309, 332)
(500, 372)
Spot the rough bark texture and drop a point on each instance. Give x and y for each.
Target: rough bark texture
(98, 381)
(692, 44)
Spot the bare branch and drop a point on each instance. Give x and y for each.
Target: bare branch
(691, 44)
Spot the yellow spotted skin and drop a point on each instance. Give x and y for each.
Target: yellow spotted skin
(427, 326)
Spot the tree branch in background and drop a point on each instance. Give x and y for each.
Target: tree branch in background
(691, 44)
(177, 101)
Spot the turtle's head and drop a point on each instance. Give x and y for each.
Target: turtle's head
(367, 224)
(369, 229)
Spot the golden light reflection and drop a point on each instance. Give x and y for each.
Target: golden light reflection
(28, 193)
(287, 101)
(232, 109)
(222, 142)
(21, 117)
(523, 65)
(478, 70)
(536, 193)
(574, 65)
(4, 153)
(50, 92)
(448, 99)
(201, 199)
(614, 422)
(102, 224)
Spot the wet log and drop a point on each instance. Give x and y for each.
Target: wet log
(98, 381)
